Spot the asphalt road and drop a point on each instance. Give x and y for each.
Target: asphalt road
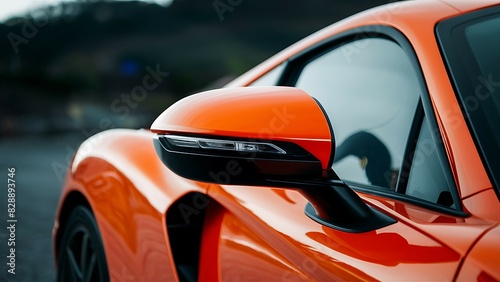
(38, 187)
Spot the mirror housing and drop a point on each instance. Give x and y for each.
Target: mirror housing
(269, 136)
(245, 135)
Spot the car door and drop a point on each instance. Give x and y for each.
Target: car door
(388, 149)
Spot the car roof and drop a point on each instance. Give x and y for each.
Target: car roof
(466, 5)
(410, 17)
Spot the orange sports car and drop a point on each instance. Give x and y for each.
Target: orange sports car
(367, 151)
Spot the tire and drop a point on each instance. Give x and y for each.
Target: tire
(81, 253)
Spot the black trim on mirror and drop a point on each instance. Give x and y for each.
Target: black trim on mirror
(375, 220)
(238, 168)
(334, 144)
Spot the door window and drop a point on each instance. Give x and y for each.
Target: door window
(370, 92)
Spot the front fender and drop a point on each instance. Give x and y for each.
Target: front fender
(129, 191)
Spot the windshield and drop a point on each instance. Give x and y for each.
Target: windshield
(471, 47)
(484, 41)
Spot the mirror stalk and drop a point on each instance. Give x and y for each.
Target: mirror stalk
(337, 206)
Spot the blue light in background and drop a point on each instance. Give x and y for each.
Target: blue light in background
(129, 68)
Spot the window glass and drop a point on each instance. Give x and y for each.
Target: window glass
(484, 41)
(470, 44)
(270, 78)
(427, 178)
(370, 93)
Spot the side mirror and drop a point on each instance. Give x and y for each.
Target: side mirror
(245, 136)
(269, 136)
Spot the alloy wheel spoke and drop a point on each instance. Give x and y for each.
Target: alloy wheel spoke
(75, 270)
(83, 253)
(90, 268)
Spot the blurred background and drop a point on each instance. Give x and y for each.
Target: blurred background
(68, 70)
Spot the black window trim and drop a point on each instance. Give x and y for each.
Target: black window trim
(410, 148)
(294, 66)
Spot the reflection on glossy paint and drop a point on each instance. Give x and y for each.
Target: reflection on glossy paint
(419, 214)
(129, 226)
(103, 182)
(244, 255)
(385, 248)
(485, 277)
(283, 195)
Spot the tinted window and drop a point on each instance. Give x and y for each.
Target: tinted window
(427, 179)
(484, 41)
(370, 92)
(470, 44)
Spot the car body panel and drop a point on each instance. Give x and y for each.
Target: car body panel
(485, 205)
(468, 6)
(457, 232)
(104, 186)
(209, 251)
(483, 262)
(254, 230)
(286, 244)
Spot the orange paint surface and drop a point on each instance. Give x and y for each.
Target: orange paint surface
(261, 113)
(262, 232)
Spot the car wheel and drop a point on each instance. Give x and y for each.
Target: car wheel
(81, 253)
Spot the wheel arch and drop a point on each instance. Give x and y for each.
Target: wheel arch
(72, 200)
